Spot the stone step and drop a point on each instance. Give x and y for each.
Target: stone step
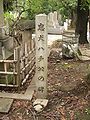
(5, 105)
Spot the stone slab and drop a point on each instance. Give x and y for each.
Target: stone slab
(41, 55)
(85, 51)
(5, 105)
(56, 31)
(17, 96)
(42, 102)
(27, 96)
(31, 88)
(85, 58)
(7, 54)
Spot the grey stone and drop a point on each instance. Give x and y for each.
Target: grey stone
(40, 104)
(5, 105)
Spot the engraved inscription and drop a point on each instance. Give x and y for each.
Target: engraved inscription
(41, 89)
(41, 27)
(41, 78)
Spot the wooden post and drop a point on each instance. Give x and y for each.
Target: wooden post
(17, 57)
(41, 55)
(26, 56)
(5, 64)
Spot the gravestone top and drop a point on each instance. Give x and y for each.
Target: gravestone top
(25, 25)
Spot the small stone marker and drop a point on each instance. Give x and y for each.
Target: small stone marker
(40, 104)
(56, 24)
(5, 105)
(41, 56)
(50, 19)
(65, 26)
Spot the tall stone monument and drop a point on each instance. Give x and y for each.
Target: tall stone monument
(41, 55)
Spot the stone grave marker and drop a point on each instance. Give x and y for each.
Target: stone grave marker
(60, 19)
(50, 19)
(55, 18)
(65, 26)
(41, 55)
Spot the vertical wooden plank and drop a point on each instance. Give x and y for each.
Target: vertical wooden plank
(22, 62)
(31, 40)
(5, 64)
(41, 55)
(17, 57)
(26, 57)
(14, 76)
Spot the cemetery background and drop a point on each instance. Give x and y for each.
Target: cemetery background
(68, 90)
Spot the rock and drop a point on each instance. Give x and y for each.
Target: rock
(38, 108)
(40, 104)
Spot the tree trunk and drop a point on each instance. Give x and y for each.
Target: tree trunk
(82, 20)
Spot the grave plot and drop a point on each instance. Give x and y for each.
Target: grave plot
(17, 62)
(23, 63)
(16, 66)
(16, 69)
(17, 56)
(26, 55)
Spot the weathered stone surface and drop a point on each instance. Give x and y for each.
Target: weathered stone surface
(40, 104)
(41, 101)
(38, 108)
(5, 105)
(85, 51)
(50, 20)
(7, 54)
(55, 18)
(57, 31)
(17, 96)
(84, 58)
(25, 25)
(41, 55)
(70, 45)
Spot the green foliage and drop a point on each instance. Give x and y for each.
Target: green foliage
(32, 7)
(85, 4)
